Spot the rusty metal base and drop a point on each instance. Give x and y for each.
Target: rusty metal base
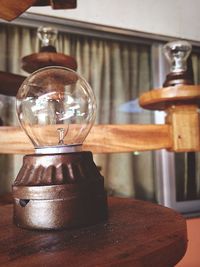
(64, 205)
(67, 211)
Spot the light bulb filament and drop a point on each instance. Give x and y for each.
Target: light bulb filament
(61, 135)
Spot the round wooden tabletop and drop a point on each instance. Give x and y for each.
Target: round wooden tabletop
(136, 234)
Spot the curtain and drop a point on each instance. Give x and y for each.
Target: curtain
(118, 72)
(15, 43)
(196, 71)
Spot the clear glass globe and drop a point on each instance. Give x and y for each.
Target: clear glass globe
(177, 53)
(47, 35)
(56, 107)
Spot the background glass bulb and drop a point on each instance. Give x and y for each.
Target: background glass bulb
(177, 53)
(56, 107)
(47, 35)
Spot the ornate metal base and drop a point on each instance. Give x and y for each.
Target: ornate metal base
(59, 191)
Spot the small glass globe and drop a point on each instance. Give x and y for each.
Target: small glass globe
(177, 53)
(47, 35)
(56, 107)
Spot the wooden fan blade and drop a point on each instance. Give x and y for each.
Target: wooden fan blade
(11, 9)
(57, 4)
(10, 83)
(63, 4)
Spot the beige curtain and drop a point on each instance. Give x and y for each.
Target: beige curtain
(16, 42)
(196, 70)
(118, 72)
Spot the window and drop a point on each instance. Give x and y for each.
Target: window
(118, 69)
(119, 65)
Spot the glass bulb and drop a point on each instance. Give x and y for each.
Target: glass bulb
(56, 107)
(177, 53)
(47, 35)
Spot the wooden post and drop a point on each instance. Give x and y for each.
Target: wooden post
(181, 104)
(184, 121)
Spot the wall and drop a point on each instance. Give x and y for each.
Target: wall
(177, 18)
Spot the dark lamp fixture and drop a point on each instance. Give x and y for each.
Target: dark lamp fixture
(59, 186)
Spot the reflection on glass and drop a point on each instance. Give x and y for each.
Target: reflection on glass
(56, 106)
(47, 35)
(177, 53)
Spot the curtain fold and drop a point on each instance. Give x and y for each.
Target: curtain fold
(16, 42)
(118, 72)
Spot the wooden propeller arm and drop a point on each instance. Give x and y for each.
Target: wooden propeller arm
(101, 139)
(179, 134)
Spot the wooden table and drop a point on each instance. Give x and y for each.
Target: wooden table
(137, 234)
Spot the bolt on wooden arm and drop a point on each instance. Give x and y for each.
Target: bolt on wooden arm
(181, 103)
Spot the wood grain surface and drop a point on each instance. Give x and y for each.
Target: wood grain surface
(160, 99)
(137, 233)
(11, 9)
(36, 61)
(184, 120)
(101, 139)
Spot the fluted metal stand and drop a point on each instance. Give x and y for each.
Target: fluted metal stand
(59, 191)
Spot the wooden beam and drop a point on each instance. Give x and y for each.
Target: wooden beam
(11, 9)
(102, 139)
(184, 120)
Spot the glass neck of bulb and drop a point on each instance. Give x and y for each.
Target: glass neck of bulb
(178, 63)
(47, 36)
(47, 41)
(58, 149)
